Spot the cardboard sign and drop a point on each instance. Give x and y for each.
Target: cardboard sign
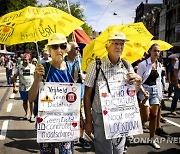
(120, 109)
(59, 112)
(59, 96)
(58, 127)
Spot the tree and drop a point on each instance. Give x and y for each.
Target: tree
(7, 6)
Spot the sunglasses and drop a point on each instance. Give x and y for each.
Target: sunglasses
(62, 46)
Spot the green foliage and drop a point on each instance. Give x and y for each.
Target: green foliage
(7, 6)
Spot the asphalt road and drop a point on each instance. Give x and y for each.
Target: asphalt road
(18, 136)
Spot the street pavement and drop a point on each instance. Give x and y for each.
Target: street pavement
(18, 136)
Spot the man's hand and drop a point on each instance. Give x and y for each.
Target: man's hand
(134, 78)
(82, 76)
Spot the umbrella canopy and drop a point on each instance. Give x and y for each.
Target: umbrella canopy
(134, 49)
(163, 45)
(33, 24)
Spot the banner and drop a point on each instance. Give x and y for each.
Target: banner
(59, 112)
(120, 109)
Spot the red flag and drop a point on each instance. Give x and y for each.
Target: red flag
(81, 36)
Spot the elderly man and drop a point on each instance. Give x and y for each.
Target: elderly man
(113, 67)
(73, 67)
(25, 71)
(45, 57)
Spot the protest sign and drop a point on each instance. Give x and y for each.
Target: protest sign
(59, 112)
(58, 127)
(120, 109)
(59, 96)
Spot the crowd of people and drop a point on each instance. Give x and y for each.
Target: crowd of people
(149, 76)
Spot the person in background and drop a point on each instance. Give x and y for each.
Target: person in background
(9, 68)
(163, 76)
(57, 72)
(34, 61)
(26, 78)
(73, 66)
(171, 78)
(94, 119)
(150, 70)
(2, 60)
(177, 87)
(45, 57)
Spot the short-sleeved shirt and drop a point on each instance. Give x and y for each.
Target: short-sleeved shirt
(26, 76)
(112, 72)
(42, 60)
(56, 75)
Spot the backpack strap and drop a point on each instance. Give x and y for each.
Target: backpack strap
(126, 64)
(98, 66)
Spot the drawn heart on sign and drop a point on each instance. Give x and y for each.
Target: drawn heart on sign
(74, 124)
(105, 112)
(104, 94)
(39, 119)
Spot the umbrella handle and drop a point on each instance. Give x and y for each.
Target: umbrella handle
(37, 49)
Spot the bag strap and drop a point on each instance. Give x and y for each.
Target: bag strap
(46, 69)
(98, 66)
(125, 63)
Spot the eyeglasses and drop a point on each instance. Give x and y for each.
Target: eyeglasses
(116, 44)
(34, 61)
(62, 46)
(76, 48)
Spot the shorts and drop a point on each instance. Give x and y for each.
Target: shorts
(24, 95)
(153, 95)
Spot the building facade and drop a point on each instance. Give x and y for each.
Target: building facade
(162, 20)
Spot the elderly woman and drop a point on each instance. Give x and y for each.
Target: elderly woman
(57, 72)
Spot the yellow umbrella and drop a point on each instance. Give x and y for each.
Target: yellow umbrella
(163, 45)
(33, 24)
(134, 49)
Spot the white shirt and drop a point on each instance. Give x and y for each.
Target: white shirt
(26, 76)
(176, 66)
(144, 70)
(43, 60)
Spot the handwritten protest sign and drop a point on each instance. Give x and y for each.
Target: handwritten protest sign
(58, 127)
(120, 109)
(59, 112)
(59, 96)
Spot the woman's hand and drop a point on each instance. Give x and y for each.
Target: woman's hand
(39, 71)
